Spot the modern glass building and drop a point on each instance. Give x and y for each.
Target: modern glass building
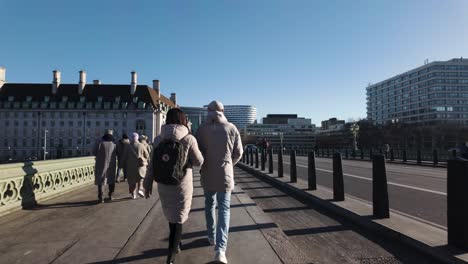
(240, 115)
(436, 92)
(196, 116)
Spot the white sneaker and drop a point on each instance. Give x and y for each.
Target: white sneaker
(134, 196)
(220, 256)
(141, 193)
(211, 241)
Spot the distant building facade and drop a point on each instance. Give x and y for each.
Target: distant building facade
(241, 115)
(196, 116)
(70, 118)
(334, 133)
(277, 119)
(331, 126)
(297, 133)
(434, 93)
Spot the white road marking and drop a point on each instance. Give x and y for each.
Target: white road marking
(391, 210)
(389, 183)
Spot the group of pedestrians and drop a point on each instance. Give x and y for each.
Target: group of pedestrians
(170, 161)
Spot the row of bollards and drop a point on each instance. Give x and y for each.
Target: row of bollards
(457, 180)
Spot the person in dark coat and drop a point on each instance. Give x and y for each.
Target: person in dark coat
(120, 162)
(105, 168)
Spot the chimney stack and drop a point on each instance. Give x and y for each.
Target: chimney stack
(82, 82)
(173, 98)
(56, 81)
(2, 76)
(133, 84)
(97, 82)
(156, 88)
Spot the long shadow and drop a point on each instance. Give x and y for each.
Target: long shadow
(153, 253)
(315, 230)
(276, 210)
(232, 229)
(257, 188)
(269, 196)
(232, 206)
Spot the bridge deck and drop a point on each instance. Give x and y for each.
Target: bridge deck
(270, 228)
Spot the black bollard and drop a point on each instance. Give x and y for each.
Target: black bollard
(435, 157)
(263, 159)
(457, 215)
(251, 157)
(404, 156)
(346, 154)
(362, 154)
(280, 163)
(312, 173)
(270, 160)
(379, 191)
(256, 158)
(392, 155)
(353, 154)
(293, 169)
(338, 185)
(418, 157)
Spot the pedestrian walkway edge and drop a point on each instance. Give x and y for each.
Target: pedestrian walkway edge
(440, 253)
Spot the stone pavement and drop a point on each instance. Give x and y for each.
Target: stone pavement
(267, 226)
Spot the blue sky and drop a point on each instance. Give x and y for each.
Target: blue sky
(313, 58)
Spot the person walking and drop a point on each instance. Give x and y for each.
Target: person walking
(175, 196)
(121, 175)
(105, 166)
(144, 140)
(135, 158)
(221, 145)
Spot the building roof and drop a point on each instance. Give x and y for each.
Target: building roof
(108, 92)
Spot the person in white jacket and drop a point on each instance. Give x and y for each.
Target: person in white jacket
(221, 146)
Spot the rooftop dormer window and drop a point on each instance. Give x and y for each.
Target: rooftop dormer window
(46, 99)
(64, 99)
(82, 99)
(99, 99)
(11, 98)
(28, 98)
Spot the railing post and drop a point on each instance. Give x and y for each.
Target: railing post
(362, 154)
(256, 158)
(392, 155)
(251, 157)
(346, 153)
(435, 157)
(379, 191)
(293, 169)
(418, 157)
(457, 215)
(263, 159)
(270, 160)
(338, 185)
(353, 154)
(312, 173)
(328, 153)
(370, 154)
(454, 153)
(404, 156)
(280, 163)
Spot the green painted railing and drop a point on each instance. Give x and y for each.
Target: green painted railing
(22, 185)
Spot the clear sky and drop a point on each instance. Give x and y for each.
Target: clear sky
(313, 58)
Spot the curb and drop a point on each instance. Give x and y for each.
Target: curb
(437, 254)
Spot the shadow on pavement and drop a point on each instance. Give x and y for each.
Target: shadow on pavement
(153, 253)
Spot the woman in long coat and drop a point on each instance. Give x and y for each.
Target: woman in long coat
(105, 167)
(176, 200)
(135, 157)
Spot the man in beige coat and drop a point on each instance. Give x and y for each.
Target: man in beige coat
(135, 157)
(221, 145)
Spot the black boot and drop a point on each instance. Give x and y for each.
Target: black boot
(174, 242)
(111, 191)
(100, 200)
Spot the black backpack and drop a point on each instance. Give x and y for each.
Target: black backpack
(168, 162)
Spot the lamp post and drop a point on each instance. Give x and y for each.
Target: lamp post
(281, 140)
(9, 153)
(355, 131)
(45, 143)
(77, 151)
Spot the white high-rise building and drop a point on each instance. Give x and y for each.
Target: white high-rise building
(240, 115)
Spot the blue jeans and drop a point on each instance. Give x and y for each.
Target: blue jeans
(223, 200)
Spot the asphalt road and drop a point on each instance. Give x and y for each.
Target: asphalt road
(415, 191)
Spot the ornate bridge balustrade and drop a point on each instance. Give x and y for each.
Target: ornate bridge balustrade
(23, 184)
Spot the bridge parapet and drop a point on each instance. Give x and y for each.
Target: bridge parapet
(23, 184)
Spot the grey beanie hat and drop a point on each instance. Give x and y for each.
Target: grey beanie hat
(215, 106)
